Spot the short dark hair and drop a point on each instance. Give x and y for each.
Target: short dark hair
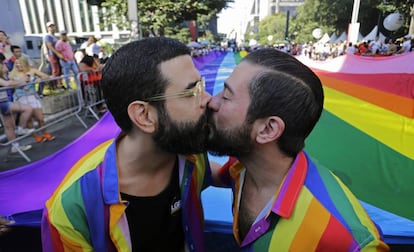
(133, 73)
(13, 47)
(288, 89)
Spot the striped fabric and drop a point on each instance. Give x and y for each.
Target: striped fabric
(311, 211)
(86, 212)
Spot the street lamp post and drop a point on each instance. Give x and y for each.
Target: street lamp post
(411, 30)
(353, 29)
(134, 20)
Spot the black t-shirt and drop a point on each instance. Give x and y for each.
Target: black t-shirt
(155, 222)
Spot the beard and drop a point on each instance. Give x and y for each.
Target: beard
(234, 142)
(181, 137)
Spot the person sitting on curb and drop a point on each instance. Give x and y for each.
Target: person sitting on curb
(8, 108)
(28, 95)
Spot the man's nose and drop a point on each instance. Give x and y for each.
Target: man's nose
(214, 103)
(205, 98)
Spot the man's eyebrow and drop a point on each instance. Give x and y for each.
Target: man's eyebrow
(192, 84)
(226, 86)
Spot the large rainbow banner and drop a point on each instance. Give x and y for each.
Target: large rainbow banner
(366, 133)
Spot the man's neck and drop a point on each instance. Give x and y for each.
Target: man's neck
(266, 168)
(143, 169)
(265, 171)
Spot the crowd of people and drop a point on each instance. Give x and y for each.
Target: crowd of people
(375, 47)
(23, 85)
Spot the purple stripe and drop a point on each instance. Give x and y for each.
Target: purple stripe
(286, 183)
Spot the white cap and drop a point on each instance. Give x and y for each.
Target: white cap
(408, 36)
(49, 23)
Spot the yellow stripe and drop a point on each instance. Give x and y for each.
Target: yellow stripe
(286, 229)
(117, 234)
(391, 129)
(243, 53)
(85, 164)
(56, 212)
(60, 221)
(308, 235)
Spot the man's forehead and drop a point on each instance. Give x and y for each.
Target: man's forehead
(244, 73)
(180, 67)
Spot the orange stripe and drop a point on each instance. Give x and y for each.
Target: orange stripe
(74, 169)
(401, 105)
(309, 234)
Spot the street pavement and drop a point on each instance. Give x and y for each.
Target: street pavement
(65, 132)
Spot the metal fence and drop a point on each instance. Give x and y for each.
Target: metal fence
(85, 97)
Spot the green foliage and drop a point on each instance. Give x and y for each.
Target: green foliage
(335, 15)
(273, 26)
(161, 17)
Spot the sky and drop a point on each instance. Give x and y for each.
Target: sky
(231, 17)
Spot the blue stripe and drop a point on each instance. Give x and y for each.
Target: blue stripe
(318, 188)
(225, 68)
(94, 207)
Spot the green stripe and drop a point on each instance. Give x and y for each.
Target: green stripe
(75, 209)
(263, 242)
(344, 207)
(237, 58)
(375, 173)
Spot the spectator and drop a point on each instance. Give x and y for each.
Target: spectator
(390, 47)
(5, 45)
(8, 108)
(17, 53)
(68, 62)
(282, 201)
(406, 45)
(53, 55)
(350, 50)
(375, 46)
(92, 48)
(28, 95)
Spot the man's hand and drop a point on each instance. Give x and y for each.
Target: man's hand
(3, 225)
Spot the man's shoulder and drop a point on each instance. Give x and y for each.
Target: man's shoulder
(88, 165)
(49, 37)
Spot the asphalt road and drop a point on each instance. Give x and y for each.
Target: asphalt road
(65, 132)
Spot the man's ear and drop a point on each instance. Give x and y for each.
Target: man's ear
(269, 129)
(143, 115)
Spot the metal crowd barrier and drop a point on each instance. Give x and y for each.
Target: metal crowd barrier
(90, 83)
(57, 105)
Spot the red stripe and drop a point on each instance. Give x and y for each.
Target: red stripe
(401, 84)
(293, 189)
(335, 237)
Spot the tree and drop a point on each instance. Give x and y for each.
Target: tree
(335, 16)
(273, 26)
(160, 17)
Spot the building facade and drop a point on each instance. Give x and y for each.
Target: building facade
(25, 22)
(260, 9)
(77, 17)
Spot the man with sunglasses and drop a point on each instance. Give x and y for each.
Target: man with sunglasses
(140, 191)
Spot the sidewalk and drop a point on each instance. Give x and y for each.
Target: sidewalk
(65, 132)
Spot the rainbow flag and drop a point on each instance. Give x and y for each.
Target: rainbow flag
(366, 133)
